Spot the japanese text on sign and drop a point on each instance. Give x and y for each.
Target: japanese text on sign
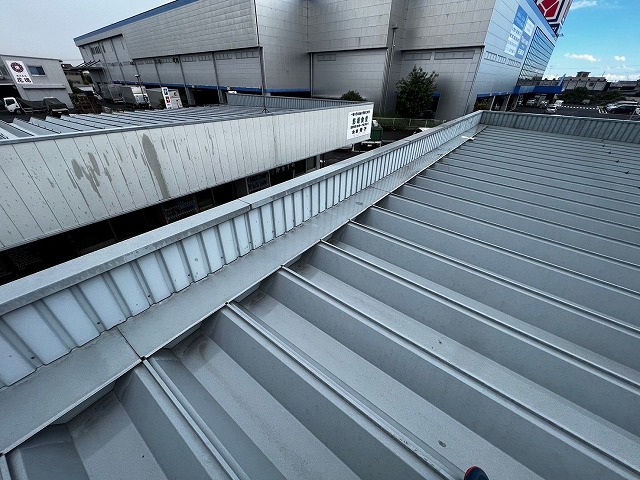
(19, 72)
(359, 123)
(520, 34)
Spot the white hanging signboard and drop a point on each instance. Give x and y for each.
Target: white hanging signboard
(359, 123)
(20, 72)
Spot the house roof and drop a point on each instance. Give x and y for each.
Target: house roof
(478, 308)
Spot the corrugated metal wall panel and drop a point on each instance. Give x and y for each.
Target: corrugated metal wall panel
(293, 103)
(91, 177)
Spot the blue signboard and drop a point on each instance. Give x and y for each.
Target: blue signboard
(520, 34)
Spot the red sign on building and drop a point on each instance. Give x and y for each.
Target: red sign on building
(555, 11)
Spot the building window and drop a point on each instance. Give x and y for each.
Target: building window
(252, 54)
(455, 55)
(3, 71)
(331, 57)
(189, 58)
(36, 70)
(535, 63)
(223, 56)
(417, 56)
(204, 58)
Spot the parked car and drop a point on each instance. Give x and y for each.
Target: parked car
(621, 103)
(623, 109)
(531, 103)
(49, 105)
(553, 108)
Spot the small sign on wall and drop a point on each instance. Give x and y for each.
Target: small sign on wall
(360, 123)
(167, 98)
(20, 72)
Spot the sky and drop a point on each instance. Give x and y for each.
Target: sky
(599, 36)
(53, 24)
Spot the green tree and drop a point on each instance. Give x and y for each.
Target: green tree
(610, 96)
(415, 93)
(353, 96)
(576, 95)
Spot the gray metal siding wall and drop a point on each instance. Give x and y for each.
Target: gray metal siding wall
(169, 71)
(53, 185)
(361, 70)
(234, 71)
(283, 34)
(147, 70)
(106, 58)
(447, 24)
(110, 60)
(284, 102)
(199, 69)
(339, 25)
(397, 18)
(600, 128)
(455, 77)
(207, 24)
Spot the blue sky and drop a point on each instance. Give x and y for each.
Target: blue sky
(601, 37)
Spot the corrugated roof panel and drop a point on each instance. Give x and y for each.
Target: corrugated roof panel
(484, 313)
(108, 121)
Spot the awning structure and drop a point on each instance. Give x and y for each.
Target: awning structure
(468, 296)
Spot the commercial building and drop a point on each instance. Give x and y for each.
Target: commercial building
(627, 87)
(482, 51)
(444, 301)
(33, 78)
(584, 80)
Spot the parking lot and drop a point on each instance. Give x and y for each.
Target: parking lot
(578, 111)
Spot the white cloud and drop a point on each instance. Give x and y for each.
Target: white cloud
(583, 4)
(620, 58)
(582, 56)
(613, 77)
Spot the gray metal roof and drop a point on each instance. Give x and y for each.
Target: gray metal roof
(109, 122)
(484, 312)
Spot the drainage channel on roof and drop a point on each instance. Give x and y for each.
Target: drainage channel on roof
(485, 313)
